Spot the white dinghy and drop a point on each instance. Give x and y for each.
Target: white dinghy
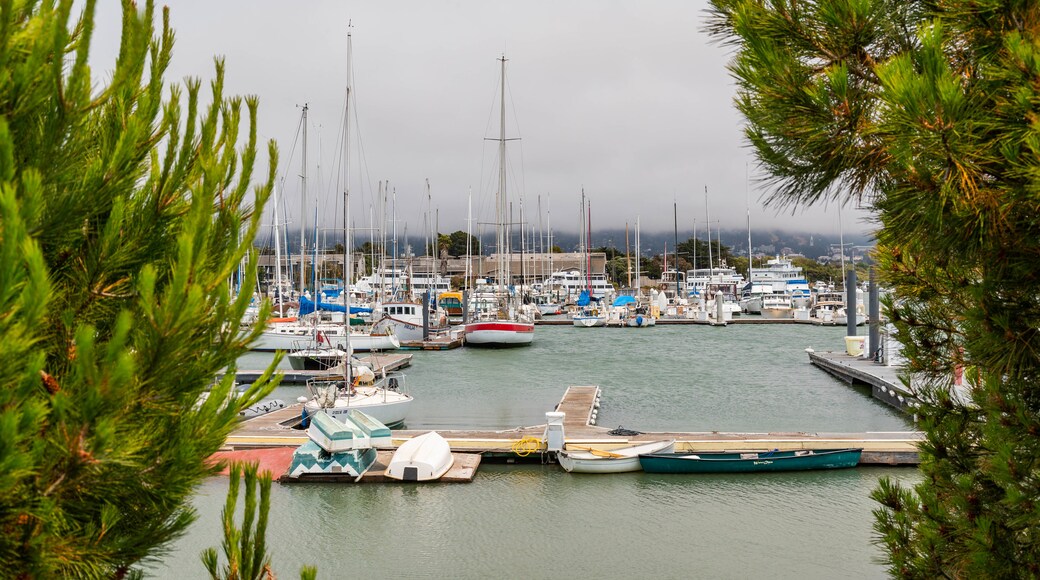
(621, 460)
(423, 458)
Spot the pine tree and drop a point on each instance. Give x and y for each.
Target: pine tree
(125, 209)
(928, 112)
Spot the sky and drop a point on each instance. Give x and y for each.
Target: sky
(629, 101)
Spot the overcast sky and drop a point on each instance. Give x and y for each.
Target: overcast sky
(629, 100)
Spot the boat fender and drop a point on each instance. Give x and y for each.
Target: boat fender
(305, 420)
(639, 321)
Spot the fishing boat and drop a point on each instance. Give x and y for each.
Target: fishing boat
(749, 461)
(500, 322)
(581, 459)
(423, 458)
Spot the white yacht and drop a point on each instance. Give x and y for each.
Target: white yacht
(568, 284)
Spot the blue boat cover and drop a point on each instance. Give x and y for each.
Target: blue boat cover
(624, 300)
(307, 306)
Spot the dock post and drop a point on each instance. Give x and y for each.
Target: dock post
(850, 301)
(874, 315)
(426, 315)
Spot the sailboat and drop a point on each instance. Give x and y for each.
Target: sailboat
(497, 319)
(381, 398)
(589, 314)
(320, 331)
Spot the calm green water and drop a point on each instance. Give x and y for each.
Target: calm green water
(538, 522)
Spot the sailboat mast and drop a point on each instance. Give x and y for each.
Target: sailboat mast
(469, 239)
(303, 205)
(675, 230)
(278, 258)
(588, 251)
(503, 274)
(747, 193)
(347, 371)
(711, 267)
(628, 257)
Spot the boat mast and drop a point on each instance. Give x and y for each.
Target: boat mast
(675, 230)
(277, 258)
(548, 229)
(303, 207)
(747, 193)
(347, 371)
(503, 274)
(639, 270)
(711, 267)
(469, 239)
(628, 257)
(588, 250)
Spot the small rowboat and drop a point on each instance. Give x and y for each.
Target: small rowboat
(749, 462)
(580, 459)
(423, 458)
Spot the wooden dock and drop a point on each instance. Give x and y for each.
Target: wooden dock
(579, 404)
(441, 342)
(378, 362)
(884, 381)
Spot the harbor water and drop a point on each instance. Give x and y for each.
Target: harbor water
(537, 521)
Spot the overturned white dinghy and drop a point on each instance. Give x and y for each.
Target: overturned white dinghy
(423, 458)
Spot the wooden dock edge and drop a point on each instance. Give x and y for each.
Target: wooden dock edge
(463, 470)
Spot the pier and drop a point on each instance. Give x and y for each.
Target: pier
(580, 404)
(883, 380)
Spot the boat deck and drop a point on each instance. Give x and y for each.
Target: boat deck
(579, 403)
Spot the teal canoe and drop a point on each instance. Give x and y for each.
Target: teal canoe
(749, 462)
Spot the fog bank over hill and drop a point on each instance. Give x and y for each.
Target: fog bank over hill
(808, 244)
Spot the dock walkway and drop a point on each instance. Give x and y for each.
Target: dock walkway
(378, 362)
(579, 403)
(884, 381)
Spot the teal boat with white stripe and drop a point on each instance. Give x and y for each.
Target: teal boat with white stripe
(749, 462)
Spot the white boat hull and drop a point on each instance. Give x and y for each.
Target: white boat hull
(499, 333)
(388, 407)
(423, 458)
(580, 461)
(777, 313)
(285, 339)
(589, 321)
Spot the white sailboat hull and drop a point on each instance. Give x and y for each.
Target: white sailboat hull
(499, 333)
(388, 407)
(293, 338)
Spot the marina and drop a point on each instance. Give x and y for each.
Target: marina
(753, 380)
(578, 407)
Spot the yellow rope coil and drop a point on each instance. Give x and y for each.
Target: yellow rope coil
(527, 446)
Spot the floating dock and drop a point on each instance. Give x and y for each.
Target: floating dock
(443, 342)
(884, 381)
(580, 405)
(277, 461)
(377, 362)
